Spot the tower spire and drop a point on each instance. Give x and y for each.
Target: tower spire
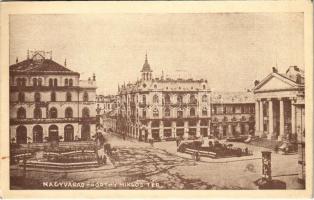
(65, 62)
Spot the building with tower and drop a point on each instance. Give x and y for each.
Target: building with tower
(49, 102)
(163, 108)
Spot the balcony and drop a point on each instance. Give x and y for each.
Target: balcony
(90, 120)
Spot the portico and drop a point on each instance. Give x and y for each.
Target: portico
(275, 105)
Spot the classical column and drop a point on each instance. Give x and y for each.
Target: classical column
(161, 129)
(270, 119)
(173, 129)
(261, 119)
(293, 130)
(149, 129)
(208, 129)
(198, 128)
(282, 120)
(186, 129)
(257, 117)
(229, 130)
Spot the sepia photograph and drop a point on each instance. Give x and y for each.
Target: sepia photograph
(157, 101)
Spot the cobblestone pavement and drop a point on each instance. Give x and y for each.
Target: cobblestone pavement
(141, 166)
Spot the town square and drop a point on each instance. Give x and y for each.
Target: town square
(153, 104)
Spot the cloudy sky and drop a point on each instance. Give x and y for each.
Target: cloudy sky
(229, 50)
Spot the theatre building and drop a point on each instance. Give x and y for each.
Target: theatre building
(232, 114)
(163, 108)
(49, 102)
(279, 105)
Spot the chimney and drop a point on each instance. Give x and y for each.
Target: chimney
(275, 70)
(17, 60)
(94, 77)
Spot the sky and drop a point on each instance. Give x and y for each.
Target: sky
(230, 50)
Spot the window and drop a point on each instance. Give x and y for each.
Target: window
(37, 97)
(34, 82)
(53, 112)
(37, 113)
(53, 96)
(68, 96)
(155, 112)
(167, 99)
(204, 87)
(167, 112)
(179, 99)
(39, 82)
(21, 97)
(68, 112)
(204, 98)
(85, 96)
(193, 99)
(144, 113)
(70, 82)
(21, 113)
(66, 82)
(85, 112)
(155, 98)
(50, 82)
(192, 112)
(55, 82)
(144, 99)
(204, 111)
(180, 113)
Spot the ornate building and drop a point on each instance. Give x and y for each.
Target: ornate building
(163, 108)
(48, 102)
(232, 114)
(279, 105)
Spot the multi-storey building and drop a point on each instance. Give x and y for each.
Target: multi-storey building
(48, 102)
(106, 104)
(162, 108)
(232, 114)
(279, 105)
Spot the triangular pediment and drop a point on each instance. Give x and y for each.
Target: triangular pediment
(275, 82)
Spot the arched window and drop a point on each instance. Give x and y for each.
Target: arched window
(155, 112)
(37, 97)
(66, 82)
(37, 113)
(85, 132)
(68, 96)
(192, 112)
(85, 96)
(167, 99)
(21, 97)
(39, 81)
(35, 82)
(155, 98)
(21, 135)
(37, 134)
(55, 82)
(85, 112)
(204, 111)
(204, 87)
(167, 112)
(144, 99)
(53, 96)
(50, 82)
(21, 113)
(193, 99)
(204, 98)
(179, 99)
(70, 82)
(180, 113)
(53, 133)
(68, 112)
(53, 112)
(68, 133)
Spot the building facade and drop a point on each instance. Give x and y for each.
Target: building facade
(162, 108)
(49, 102)
(279, 105)
(232, 114)
(106, 104)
